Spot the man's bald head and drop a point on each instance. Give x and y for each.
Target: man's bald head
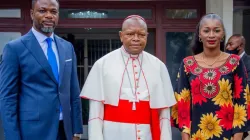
(135, 21)
(240, 37)
(134, 34)
(236, 44)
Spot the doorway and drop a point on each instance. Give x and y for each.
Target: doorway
(91, 44)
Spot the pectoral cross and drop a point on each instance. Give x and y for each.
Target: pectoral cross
(134, 100)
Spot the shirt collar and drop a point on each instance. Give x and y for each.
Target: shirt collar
(127, 55)
(241, 55)
(41, 37)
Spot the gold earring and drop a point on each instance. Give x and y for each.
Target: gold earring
(200, 39)
(223, 38)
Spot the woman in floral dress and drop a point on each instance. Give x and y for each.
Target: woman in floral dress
(211, 90)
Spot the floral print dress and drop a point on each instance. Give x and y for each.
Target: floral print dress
(212, 103)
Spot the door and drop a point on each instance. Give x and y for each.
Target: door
(177, 47)
(89, 48)
(90, 45)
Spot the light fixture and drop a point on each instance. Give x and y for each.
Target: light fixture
(88, 14)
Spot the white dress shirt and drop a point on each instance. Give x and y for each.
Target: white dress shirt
(241, 55)
(41, 38)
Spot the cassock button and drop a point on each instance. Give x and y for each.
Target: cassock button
(138, 130)
(139, 138)
(134, 65)
(136, 72)
(138, 92)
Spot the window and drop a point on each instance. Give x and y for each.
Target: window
(10, 13)
(181, 13)
(104, 13)
(6, 37)
(177, 48)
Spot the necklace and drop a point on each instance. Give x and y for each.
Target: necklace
(210, 65)
(131, 87)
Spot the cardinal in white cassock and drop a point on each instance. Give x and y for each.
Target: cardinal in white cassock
(129, 90)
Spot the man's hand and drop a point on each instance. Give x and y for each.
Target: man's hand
(76, 138)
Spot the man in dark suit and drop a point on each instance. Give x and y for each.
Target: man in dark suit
(236, 45)
(39, 90)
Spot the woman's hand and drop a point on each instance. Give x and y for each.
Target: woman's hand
(237, 136)
(185, 136)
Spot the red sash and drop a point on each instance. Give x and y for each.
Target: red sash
(142, 115)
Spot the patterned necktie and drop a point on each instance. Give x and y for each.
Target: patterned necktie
(52, 59)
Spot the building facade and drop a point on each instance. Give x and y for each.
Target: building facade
(92, 26)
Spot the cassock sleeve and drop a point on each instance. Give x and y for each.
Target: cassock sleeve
(241, 103)
(167, 86)
(95, 120)
(166, 133)
(93, 87)
(93, 90)
(163, 95)
(181, 111)
(165, 125)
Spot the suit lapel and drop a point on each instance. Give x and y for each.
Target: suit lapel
(34, 47)
(61, 54)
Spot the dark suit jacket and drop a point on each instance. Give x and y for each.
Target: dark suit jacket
(246, 60)
(30, 96)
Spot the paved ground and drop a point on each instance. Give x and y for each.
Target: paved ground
(175, 132)
(247, 138)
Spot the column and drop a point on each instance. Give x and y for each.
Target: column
(224, 8)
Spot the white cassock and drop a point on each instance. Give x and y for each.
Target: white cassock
(121, 99)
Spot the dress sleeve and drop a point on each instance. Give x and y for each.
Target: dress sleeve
(181, 111)
(241, 100)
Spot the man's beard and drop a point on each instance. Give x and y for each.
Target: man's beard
(47, 29)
